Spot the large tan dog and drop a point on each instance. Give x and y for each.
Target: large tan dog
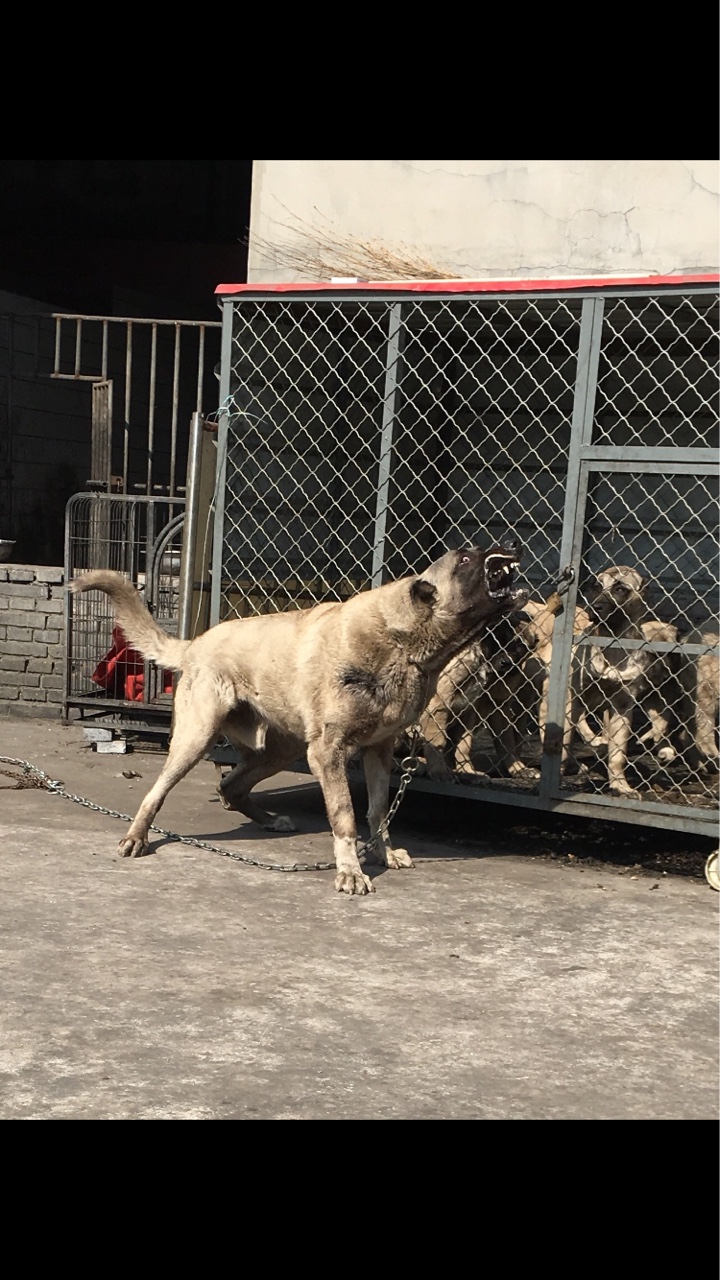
(332, 679)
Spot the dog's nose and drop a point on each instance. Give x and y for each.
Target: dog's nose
(510, 543)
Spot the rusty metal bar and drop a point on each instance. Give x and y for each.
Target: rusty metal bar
(195, 324)
(190, 532)
(78, 344)
(174, 418)
(151, 408)
(201, 358)
(128, 387)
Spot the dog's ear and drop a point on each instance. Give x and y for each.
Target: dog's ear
(423, 592)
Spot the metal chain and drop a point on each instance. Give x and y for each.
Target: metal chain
(38, 778)
(409, 765)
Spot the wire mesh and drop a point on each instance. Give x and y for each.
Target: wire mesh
(365, 436)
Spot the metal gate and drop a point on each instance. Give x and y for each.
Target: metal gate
(150, 380)
(364, 431)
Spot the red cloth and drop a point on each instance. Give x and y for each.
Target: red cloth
(121, 672)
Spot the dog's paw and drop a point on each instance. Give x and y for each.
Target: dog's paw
(519, 770)
(353, 882)
(129, 848)
(472, 778)
(621, 788)
(666, 755)
(468, 770)
(280, 823)
(398, 858)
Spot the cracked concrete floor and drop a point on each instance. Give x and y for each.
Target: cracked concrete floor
(481, 985)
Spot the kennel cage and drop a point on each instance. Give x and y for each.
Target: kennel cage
(364, 429)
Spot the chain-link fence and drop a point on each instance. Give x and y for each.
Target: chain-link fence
(363, 434)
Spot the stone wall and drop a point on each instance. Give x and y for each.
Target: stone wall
(32, 639)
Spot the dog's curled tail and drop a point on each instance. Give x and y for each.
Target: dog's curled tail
(141, 629)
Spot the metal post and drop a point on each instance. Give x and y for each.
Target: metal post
(101, 436)
(190, 531)
(173, 422)
(128, 393)
(151, 408)
(571, 548)
(220, 495)
(390, 395)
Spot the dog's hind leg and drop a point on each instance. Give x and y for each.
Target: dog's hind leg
(378, 762)
(197, 721)
(328, 757)
(254, 767)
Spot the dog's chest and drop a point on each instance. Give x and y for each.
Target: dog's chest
(615, 667)
(384, 699)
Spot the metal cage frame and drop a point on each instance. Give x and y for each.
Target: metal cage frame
(617, 379)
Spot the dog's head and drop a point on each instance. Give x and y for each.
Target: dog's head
(618, 597)
(470, 585)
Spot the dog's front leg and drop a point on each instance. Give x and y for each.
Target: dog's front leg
(378, 762)
(706, 704)
(434, 734)
(618, 733)
(327, 757)
(659, 733)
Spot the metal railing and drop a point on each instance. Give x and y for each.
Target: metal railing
(149, 377)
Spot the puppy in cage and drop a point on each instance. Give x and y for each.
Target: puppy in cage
(612, 684)
(699, 679)
(492, 683)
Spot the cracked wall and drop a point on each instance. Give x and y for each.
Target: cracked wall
(483, 218)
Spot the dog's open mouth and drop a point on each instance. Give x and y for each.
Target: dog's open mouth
(500, 572)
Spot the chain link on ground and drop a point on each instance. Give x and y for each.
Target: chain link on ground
(32, 776)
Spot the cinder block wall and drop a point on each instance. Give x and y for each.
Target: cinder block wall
(32, 639)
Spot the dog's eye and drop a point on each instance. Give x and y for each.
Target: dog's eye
(464, 560)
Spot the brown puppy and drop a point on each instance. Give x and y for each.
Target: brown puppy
(480, 686)
(606, 680)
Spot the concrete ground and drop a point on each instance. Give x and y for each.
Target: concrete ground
(485, 984)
